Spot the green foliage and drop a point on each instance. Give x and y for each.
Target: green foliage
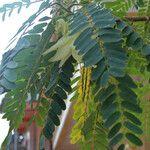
(99, 43)
(27, 74)
(57, 92)
(119, 104)
(95, 134)
(112, 56)
(121, 8)
(144, 10)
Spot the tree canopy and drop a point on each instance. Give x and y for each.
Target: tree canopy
(96, 50)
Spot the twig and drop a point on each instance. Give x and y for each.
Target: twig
(66, 9)
(137, 18)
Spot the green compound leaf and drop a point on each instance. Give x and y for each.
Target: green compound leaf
(146, 50)
(115, 140)
(97, 72)
(114, 130)
(132, 127)
(131, 107)
(134, 139)
(121, 147)
(132, 118)
(9, 85)
(112, 119)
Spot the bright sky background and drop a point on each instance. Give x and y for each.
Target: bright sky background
(7, 29)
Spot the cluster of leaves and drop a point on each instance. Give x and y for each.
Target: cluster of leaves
(95, 135)
(145, 9)
(141, 75)
(108, 99)
(132, 8)
(121, 8)
(57, 90)
(25, 72)
(119, 104)
(105, 43)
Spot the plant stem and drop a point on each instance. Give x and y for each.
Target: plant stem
(137, 18)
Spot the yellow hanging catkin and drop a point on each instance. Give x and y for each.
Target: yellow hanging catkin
(81, 105)
(87, 90)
